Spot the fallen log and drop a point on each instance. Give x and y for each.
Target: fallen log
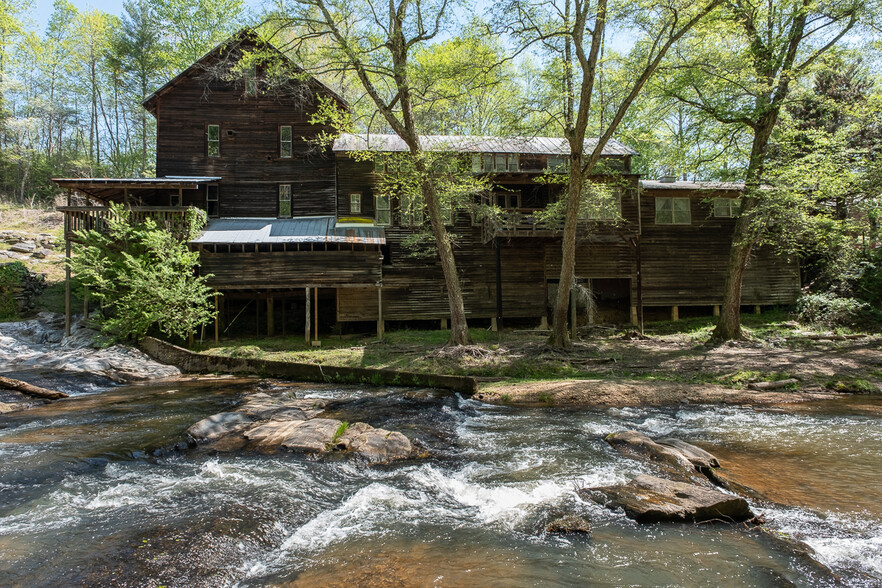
(30, 389)
(772, 385)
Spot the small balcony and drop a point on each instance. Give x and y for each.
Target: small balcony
(86, 218)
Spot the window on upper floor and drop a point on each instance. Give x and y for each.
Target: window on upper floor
(355, 203)
(382, 209)
(284, 200)
(213, 140)
(495, 162)
(672, 211)
(727, 207)
(603, 205)
(558, 164)
(286, 141)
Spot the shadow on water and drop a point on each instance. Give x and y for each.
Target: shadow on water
(80, 480)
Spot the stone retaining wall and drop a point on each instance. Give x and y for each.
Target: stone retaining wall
(191, 362)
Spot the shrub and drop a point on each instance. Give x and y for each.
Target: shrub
(11, 275)
(826, 308)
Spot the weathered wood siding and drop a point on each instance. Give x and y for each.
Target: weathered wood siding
(290, 269)
(249, 161)
(686, 264)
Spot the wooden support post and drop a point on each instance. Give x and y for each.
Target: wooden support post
(444, 324)
(67, 285)
(381, 324)
(757, 309)
(494, 325)
(85, 303)
(284, 304)
(635, 321)
(216, 320)
(270, 318)
(543, 323)
(572, 314)
(315, 314)
(190, 341)
(716, 310)
(675, 313)
(306, 327)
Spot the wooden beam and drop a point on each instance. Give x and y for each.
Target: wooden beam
(315, 292)
(306, 329)
(444, 324)
(675, 313)
(67, 287)
(757, 309)
(270, 318)
(716, 310)
(216, 320)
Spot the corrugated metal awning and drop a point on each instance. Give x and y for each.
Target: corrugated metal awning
(466, 144)
(680, 185)
(311, 229)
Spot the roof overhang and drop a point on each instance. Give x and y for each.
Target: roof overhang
(312, 229)
(106, 188)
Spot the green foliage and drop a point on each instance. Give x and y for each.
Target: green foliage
(826, 308)
(11, 275)
(144, 275)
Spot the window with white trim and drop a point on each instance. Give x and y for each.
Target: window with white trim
(672, 211)
(213, 137)
(355, 203)
(383, 209)
(286, 141)
(284, 200)
(727, 207)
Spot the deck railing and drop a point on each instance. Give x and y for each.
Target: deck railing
(518, 222)
(86, 218)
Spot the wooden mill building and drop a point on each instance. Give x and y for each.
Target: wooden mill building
(304, 235)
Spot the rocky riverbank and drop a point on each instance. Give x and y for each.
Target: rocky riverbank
(36, 351)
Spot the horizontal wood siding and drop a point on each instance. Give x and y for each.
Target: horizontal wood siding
(290, 269)
(249, 161)
(354, 177)
(686, 264)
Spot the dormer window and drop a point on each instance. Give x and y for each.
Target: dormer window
(213, 143)
(286, 141)
(727, 207)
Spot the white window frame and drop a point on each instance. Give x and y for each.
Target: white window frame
(383, 209)
(726, 207)
(355, 203)
(284, 197)
(661, 215)
(286, 146)
(215, 142)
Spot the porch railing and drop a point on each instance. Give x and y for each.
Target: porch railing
(80, 218)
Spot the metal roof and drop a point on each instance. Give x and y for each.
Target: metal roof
(166, 181)
(723, 186)
(310, 229)
(468, 144)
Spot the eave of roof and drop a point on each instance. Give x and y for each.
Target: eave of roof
(149, 103)
(313, 229)
(715, 186)
(474, 144)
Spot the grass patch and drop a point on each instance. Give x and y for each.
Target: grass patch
(851, 386)
(344, 426)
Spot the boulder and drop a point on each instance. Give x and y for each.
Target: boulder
(381, 445)
(648, 499)
(314, 435)
(696, 455)
(23, 247)
(354, 431)
(263, 406)
(569, 524)
(218, 425)
(637, 444)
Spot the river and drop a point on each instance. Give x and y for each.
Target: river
(94, 492)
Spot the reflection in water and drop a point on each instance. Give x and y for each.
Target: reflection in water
(104, 484)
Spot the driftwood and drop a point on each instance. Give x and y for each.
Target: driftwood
(30, 389)
(772, 385)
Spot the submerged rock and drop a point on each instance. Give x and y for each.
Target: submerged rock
(263, 406)
(218, 425)
(696, 455)
(675, 458)
(569, 524)
(648, 499)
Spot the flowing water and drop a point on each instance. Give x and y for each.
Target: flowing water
(93, 491)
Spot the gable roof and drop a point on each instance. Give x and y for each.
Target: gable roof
(474, 144)
(247, 34)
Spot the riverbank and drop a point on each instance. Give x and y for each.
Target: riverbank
(667, 367)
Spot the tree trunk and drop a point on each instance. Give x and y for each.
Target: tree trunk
(560, 334)
(729, 324)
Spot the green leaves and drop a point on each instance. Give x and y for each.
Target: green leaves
(144, 275)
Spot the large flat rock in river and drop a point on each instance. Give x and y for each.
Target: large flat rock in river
(648, 499)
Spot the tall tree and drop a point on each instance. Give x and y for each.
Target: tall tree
(194, 27)
(740, 71)
(138, 50)
(572, 33)
(376, 41)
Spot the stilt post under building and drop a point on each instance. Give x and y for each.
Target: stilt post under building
(306, 323)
